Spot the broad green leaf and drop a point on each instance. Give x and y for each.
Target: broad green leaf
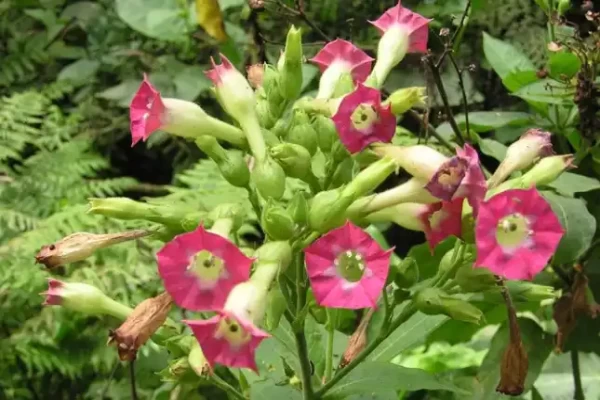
(159, 19)
(308, 74)
(516, 80)
(569, 183)
(121, 93)
(375, 377)
(556, 379)
(493, 148)
(227, 4)
(485, 121)
(270, 390)
(85, 12)
(538, 345)
(578, 223)
(504, 57)
(428, 263)
(209, 17)
(546, 91)
(563, 65)
(80, 72)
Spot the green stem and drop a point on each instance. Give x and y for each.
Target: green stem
(226, 387)
(253, 197)
(255, 138)
(579, 394)
(305, 369)
(116, 309)
(406, 313)
(431, 130)
(329, 350)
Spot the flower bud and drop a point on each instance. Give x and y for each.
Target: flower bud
(281, 128)
(265, 115)
(420, 161)
(328, 209)
(145, 319)
(276, 306)
(197, 360)
(83, 298)
(433, 301)
(547, 170)
(474, 279)
(276, 222)
(233, 212)
(532, 145)
(81, 245)
(127, 209)
(407, 273)
(290, 79)
(298, 209)
(450, 263)
(231, 164)
(255, 74)
(326, 132)
(271, 89)
(269, 178)
(523, 291)
(302, 132)
(293, 158)
(403, 100)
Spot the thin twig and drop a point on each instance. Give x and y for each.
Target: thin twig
(300, 13)
(461, 84)
(132, 380)
(431, 130)
(579, 394)
(109, 380)
(456, 37)
(257, 36)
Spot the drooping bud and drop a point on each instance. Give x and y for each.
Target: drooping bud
(128, 209)
(523, 291)
(145, 319)
(358, 341)
(290, 80)
(515, 362)
(81, 245)
(403, 32)
(433, 301)
(255, 74)
(269, 178)
(298, 209)
(302, 132)
(293, 158)
(407, 273)
(337, 58)
(197, 361)
(231, 164)
(454, 260)
(276, 222)
(420, 161)
(547, 170)
(84, 298)
(326, 132)
(404, 99)
(474, 279)
(533, 144)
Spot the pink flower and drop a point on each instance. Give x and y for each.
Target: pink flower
(516, 233)
(199, 269)
(361, 119)
(442, 220)
(461, 176)
(145, 112)
(347, 268)
(220, 71)
(53, 294)
(345, 56)
(228, 340)
(410, 23)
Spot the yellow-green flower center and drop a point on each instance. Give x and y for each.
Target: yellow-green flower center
(450, 176)
(232, 332)
(512, 231)
(364, 116)
(207, 267)
(350, 265)
(436, 219)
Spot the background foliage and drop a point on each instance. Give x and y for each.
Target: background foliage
(68, 70)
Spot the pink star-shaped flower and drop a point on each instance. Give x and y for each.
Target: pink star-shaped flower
(442, 220)
(347, 56)
(413, 24)
(516, 233)
(347, 268)
(199, 269)
(361, 119)
(228, 340)
(146, 112)
(219, 72)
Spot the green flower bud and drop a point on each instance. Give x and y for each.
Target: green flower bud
(276, 222)
(407, 273)
(522, 291)
(403, 100)
(127, 209)
(197, 360)
(276, 306)
(269, 178)
(270, 85)
(433, 301)
(298, 209)
(281, 128)
(449, 263)
(326, 133)
(474, 279)
(230, 211)
(270, 138)
(344, 172)
(302, 132)
(327, 210)
(231, 164)
(547, 170)
(266, 118)
(293, 158)
(290, 79)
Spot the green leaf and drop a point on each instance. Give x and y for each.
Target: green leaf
(85, 12)
(578, 223)
(516, 80)
(569, 183)
(79, 72)
(428, 263)
(563, 65)
(376, 377)
(493, 148)
(121, 93)
(556, 379)
(157, 19)
(504, 57)
(269, 390)
(485, 121)
(538, 345)
(547, 91)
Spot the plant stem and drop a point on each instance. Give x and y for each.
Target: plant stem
(406, 313)
(579, 395)
(226, 387)
(329, 349)
(305, 368)
(253, 197)
(461, 84)
(132, 380)
(431, 130)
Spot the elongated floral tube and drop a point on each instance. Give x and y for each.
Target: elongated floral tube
(420, 161)
(411, 191)
(128, 209)
(406, 215)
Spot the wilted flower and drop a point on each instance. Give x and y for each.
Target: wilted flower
(362, 120)
(358, 341)
(347, 268)
(441, 220)
(145, 319)
(81, 245)
(515, 362)
(199, 269)
(516, 234)
(339, 57)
